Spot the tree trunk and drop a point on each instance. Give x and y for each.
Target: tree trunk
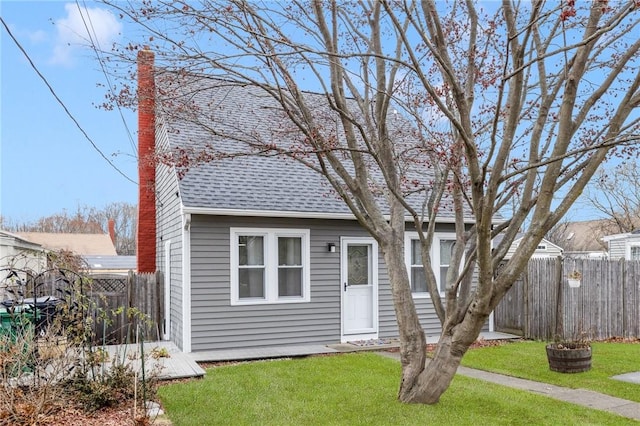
(436, 376)
(412, 338)
(424, 382)
(438, 373)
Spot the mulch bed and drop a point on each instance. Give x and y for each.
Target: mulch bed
(70, 415)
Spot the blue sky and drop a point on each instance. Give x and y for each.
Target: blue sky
(47, 164)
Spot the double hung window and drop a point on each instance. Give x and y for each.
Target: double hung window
(269, 266)
(441, 250)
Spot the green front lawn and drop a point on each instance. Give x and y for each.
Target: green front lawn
(528, 360)
(353, 389)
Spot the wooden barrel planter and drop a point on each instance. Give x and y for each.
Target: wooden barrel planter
(569, 357)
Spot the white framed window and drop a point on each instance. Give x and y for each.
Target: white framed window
(269, 266)
(441, 250)
(416, 274)
(633, 251)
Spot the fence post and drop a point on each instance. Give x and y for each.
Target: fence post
(131, 302)
(525, 303)
(626, 329)
(559, 331)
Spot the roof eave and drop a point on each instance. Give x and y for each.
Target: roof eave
(291, 214)
(612, 237)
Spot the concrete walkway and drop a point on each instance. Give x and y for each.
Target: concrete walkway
(583, 397)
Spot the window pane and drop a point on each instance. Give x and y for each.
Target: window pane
(358, 265)
(635, 252)
(290, 251)
(250, 250)
(446, 246)
(251, 282)
(418, 280)
(443, 278)
(416, 252)
(289, 282)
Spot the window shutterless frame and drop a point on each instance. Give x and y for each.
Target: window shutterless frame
(269, 266)
(439, 261)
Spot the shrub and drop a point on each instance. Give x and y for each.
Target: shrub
(45, 364)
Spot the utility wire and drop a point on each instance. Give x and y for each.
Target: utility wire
(6, 27)
(95, 45)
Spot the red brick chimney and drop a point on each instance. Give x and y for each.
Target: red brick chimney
(112, 230)
(146, 234)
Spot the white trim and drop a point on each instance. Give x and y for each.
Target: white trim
(299, 214)
(612, 237)
(166, 334)
(344, 338)
(408, 238)
(186, 283)
(271, 266)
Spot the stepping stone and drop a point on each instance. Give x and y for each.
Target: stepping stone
(629, 377)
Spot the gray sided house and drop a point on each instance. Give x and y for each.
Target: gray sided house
(18, 253)
(545, 249)
(624, 246)
(258, 251)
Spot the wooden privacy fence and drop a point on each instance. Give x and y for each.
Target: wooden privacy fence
(127, 302)
(607, 303)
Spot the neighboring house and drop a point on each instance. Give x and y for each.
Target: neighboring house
(544, 249)
(257, 251)
(624, 246)
(79, 244)
(19, 253)
(583, 239)
(110, 265)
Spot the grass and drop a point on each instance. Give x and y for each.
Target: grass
(353, 389)
(528, 360)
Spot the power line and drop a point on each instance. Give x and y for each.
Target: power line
(95, 45)
(66, 110)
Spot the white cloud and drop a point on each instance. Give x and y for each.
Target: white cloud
(72, 34)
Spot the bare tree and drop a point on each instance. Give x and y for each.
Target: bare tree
(124, 216)
(517, 103)
(88, 220)
(615, 193)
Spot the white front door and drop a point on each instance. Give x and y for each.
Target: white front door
(359, 288)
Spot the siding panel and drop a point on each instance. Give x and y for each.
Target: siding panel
(169, 228)
(218, 325)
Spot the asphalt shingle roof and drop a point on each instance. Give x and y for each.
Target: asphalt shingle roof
(251, 182)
